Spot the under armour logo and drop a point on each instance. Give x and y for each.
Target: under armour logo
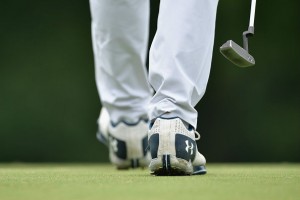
(114, 144)
(188, 147)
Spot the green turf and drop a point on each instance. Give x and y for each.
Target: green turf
(101, 182)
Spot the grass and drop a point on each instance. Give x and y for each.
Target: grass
(101, 182)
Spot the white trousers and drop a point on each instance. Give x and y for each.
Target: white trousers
(180, 57)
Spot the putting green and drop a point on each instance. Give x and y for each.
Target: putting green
(103, 182)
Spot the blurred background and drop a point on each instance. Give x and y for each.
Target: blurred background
(49, 102)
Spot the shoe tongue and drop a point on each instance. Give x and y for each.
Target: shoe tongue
(187, 126)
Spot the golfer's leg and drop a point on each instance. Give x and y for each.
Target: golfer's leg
(120, 36)
(180, 57)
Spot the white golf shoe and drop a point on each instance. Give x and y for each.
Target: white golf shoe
(173, 149)
(127, 143)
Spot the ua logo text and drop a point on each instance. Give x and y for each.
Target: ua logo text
(189, 147)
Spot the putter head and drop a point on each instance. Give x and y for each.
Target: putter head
(236, 54)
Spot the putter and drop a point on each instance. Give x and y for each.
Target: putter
(235, 53)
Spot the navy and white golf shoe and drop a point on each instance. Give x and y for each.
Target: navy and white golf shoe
(127, 143)
(173, 149)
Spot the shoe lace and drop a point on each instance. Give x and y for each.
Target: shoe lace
(198, 135)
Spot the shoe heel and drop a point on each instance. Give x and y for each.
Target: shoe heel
(135, 163)
(166, 164)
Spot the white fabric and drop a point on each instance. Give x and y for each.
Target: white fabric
(180, 57)
(120, 37)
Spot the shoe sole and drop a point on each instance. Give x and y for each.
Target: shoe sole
(169, 165)
(199, 170)
(134, 164)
